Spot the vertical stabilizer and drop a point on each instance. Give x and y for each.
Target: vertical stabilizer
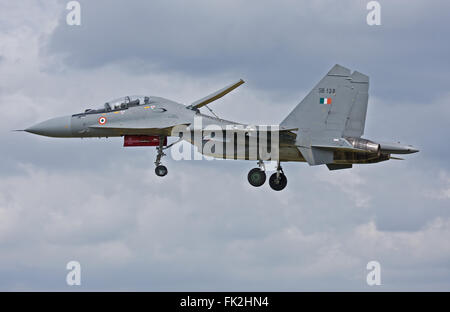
(334, 108)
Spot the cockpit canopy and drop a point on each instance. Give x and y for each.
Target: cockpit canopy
(126, 101)
(120, 104)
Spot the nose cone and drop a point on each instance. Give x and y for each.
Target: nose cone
(56, 127)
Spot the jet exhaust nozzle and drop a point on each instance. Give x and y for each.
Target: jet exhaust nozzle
(364, 144)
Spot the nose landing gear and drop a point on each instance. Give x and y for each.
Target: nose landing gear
(160, 170)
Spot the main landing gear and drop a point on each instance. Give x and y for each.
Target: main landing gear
(257, 177)
(278, 180)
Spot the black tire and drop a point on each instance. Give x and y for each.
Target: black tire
(279, 184)
(161, 170)
(256, 177)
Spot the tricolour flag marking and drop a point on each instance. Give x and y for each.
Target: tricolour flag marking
(325, 100)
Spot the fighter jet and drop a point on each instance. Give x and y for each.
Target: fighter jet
(325, 128)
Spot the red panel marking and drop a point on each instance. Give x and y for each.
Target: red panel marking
(142, 140)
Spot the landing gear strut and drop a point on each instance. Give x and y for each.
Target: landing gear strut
(160, 170)
(278, 180)
(257, 176)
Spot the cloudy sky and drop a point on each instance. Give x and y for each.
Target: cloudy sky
(203, 227)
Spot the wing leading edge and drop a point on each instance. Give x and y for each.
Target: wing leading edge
(216, 95)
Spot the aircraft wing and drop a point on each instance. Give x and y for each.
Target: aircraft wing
(144, 126)
(285, 133)
(216, 95)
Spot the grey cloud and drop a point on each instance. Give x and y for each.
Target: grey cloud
(203, 227)
(282, 46)
(158, 240)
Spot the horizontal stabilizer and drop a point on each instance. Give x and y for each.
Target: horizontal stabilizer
(396, 158)
(339, 166)
(216, 95)
(316, 156)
